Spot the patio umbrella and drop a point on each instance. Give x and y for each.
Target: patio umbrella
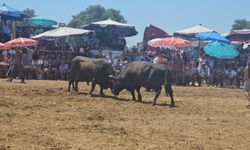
(170, 42)
(212, 36)
(125, 29)
(221, 50)
(39, 21)
(8, 13)
(2, 46)
(21, 42)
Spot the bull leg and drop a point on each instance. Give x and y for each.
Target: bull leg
(76, 86)
(169, 91)
(157, 93)
(69, 86)
(101, 91)
(92, 87)
(133, 95)
(139, 94)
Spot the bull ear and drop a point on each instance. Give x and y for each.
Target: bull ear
(112, 77)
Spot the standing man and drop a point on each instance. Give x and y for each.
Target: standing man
(17, 66)
(247, 83)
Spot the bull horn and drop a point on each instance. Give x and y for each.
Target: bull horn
(112, 77)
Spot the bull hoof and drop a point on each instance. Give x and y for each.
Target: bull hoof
(153, 104)
(172, 106)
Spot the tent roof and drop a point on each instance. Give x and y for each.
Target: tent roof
(194, 30)
(62, 31)
(110, 22)
(239, 32)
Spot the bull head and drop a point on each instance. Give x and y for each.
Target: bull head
(116, 85)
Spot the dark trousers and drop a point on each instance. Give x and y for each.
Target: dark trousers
(17, 69)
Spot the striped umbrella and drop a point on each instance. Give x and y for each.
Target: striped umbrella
(21, 42)
(170, 42)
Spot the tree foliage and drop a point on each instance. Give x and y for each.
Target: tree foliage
(95, 13)
(92, 14)
(241, 24)
(29, 12)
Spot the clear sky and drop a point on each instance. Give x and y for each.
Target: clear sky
(170, 15)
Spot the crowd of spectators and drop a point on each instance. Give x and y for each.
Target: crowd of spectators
(192, 67)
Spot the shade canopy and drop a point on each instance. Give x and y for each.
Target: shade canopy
(40, 21)
(62, 31)
(9, 13)
(123, 29)
(212, 36)
(193, 30)
(221, 50)
(239, 35)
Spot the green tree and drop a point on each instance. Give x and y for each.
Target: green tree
(95, 13)
(92, 14)
(241, 24)
(29, 12)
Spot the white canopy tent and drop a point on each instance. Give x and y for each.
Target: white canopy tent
(111, 22)
(194, 30)
(61, 31)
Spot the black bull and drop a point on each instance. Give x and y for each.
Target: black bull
(88, 70)
(144, 74)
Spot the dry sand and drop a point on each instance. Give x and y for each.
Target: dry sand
(42, 115)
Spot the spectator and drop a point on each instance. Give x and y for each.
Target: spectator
(204, 74)
(247, 83)
(109, 57)
(64, 70)
(17, 66)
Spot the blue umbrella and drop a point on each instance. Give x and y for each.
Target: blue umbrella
(221, 50)
(212, 36)
(39, 21)
(8, 13)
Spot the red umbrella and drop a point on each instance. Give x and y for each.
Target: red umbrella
(2, 46)
(21, 42)
(170, 42)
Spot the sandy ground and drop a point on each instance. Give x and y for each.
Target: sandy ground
(42, 115)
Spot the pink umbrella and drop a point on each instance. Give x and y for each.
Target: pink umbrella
(170, 42)
(21, 42)
(1, 46)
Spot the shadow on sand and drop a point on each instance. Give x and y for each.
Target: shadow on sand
(125, 100)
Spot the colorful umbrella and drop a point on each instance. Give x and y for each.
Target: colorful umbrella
(212, 36)
(221, 50)
(2, 47)
(39, 21)
(170, 42)
(8, 13)
(21, 42)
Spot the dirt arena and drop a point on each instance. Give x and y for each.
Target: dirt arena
(42, 115)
